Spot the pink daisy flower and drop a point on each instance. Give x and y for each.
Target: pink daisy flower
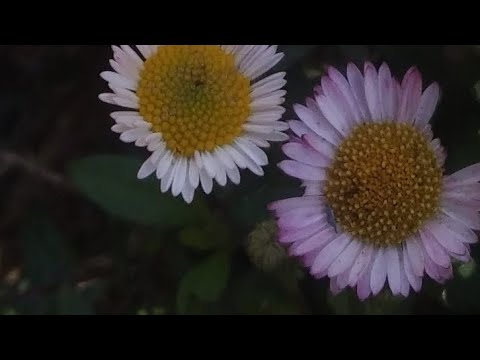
(377, 208)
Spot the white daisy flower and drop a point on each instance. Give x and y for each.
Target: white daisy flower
(203, 111)
(377, 208)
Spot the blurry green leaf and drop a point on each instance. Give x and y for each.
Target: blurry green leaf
(476, 89)
(253, 207)
(293, 54)
(9, 311)
(195, 238)
(73, 301)
(355, 53)
(155, 311)
(466, 270)
(206, 281)
(158, 311)
(257, 294)
(48, 259)
(111, 182)
(387, 304)
(464, 154)
(213, 235)
(346, 303)
(462, 293)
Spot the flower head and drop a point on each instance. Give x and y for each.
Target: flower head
(203, 111)
(377, 207)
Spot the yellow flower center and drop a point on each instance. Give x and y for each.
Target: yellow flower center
(194, 96)
(384, 183)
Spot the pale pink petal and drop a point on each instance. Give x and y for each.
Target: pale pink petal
(432, 269)
(334, 289)
(364, 288)
(297, 220)
(360, 265)
(330, 253)
(393, 269)
(458, 229)
(371, 92)
(286, 237)
(357, 84)
(345, 260)
(445, 239)
(427, 132)
(387, 92)
(340, 105)
(346, 91)
(411, 93)
(471, 190)
(299, 128)
(292, 203)
(379, 272)
(461, 200)
(415, 255)
(314, 188)
(426, 108)
(302, 171)
(414, 280)
(404, 284)
(466, 176)
(464, 215)
(319, 239)
(342, 280)
(304, 154)
(313, 122)
(463, 258)
(436, 252)
(320, 145)
(334, 113)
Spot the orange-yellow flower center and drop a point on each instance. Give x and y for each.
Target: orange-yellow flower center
(384, 183)
(194, 96)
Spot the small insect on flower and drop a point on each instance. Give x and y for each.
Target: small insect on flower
(330, 217)
(202, 111)
(377, 207)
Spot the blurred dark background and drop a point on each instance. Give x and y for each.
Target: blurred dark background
(80, 235)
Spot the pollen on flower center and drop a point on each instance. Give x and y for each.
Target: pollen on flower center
(194, 96)
(384, 183)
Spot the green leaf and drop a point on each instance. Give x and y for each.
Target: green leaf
(462, 294)
(355, 53)
(253, 207)
(387, 304)
(206, 281)
(111, 182)
(258, 294)
(294, 54)
(347, 303)
(466, 270)
(197, 239)
(73, 301)
(48, 259)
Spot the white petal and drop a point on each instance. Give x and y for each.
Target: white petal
(206, 181)
(147, 169)
(164, 164)
(193, 173)
(179, 177)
